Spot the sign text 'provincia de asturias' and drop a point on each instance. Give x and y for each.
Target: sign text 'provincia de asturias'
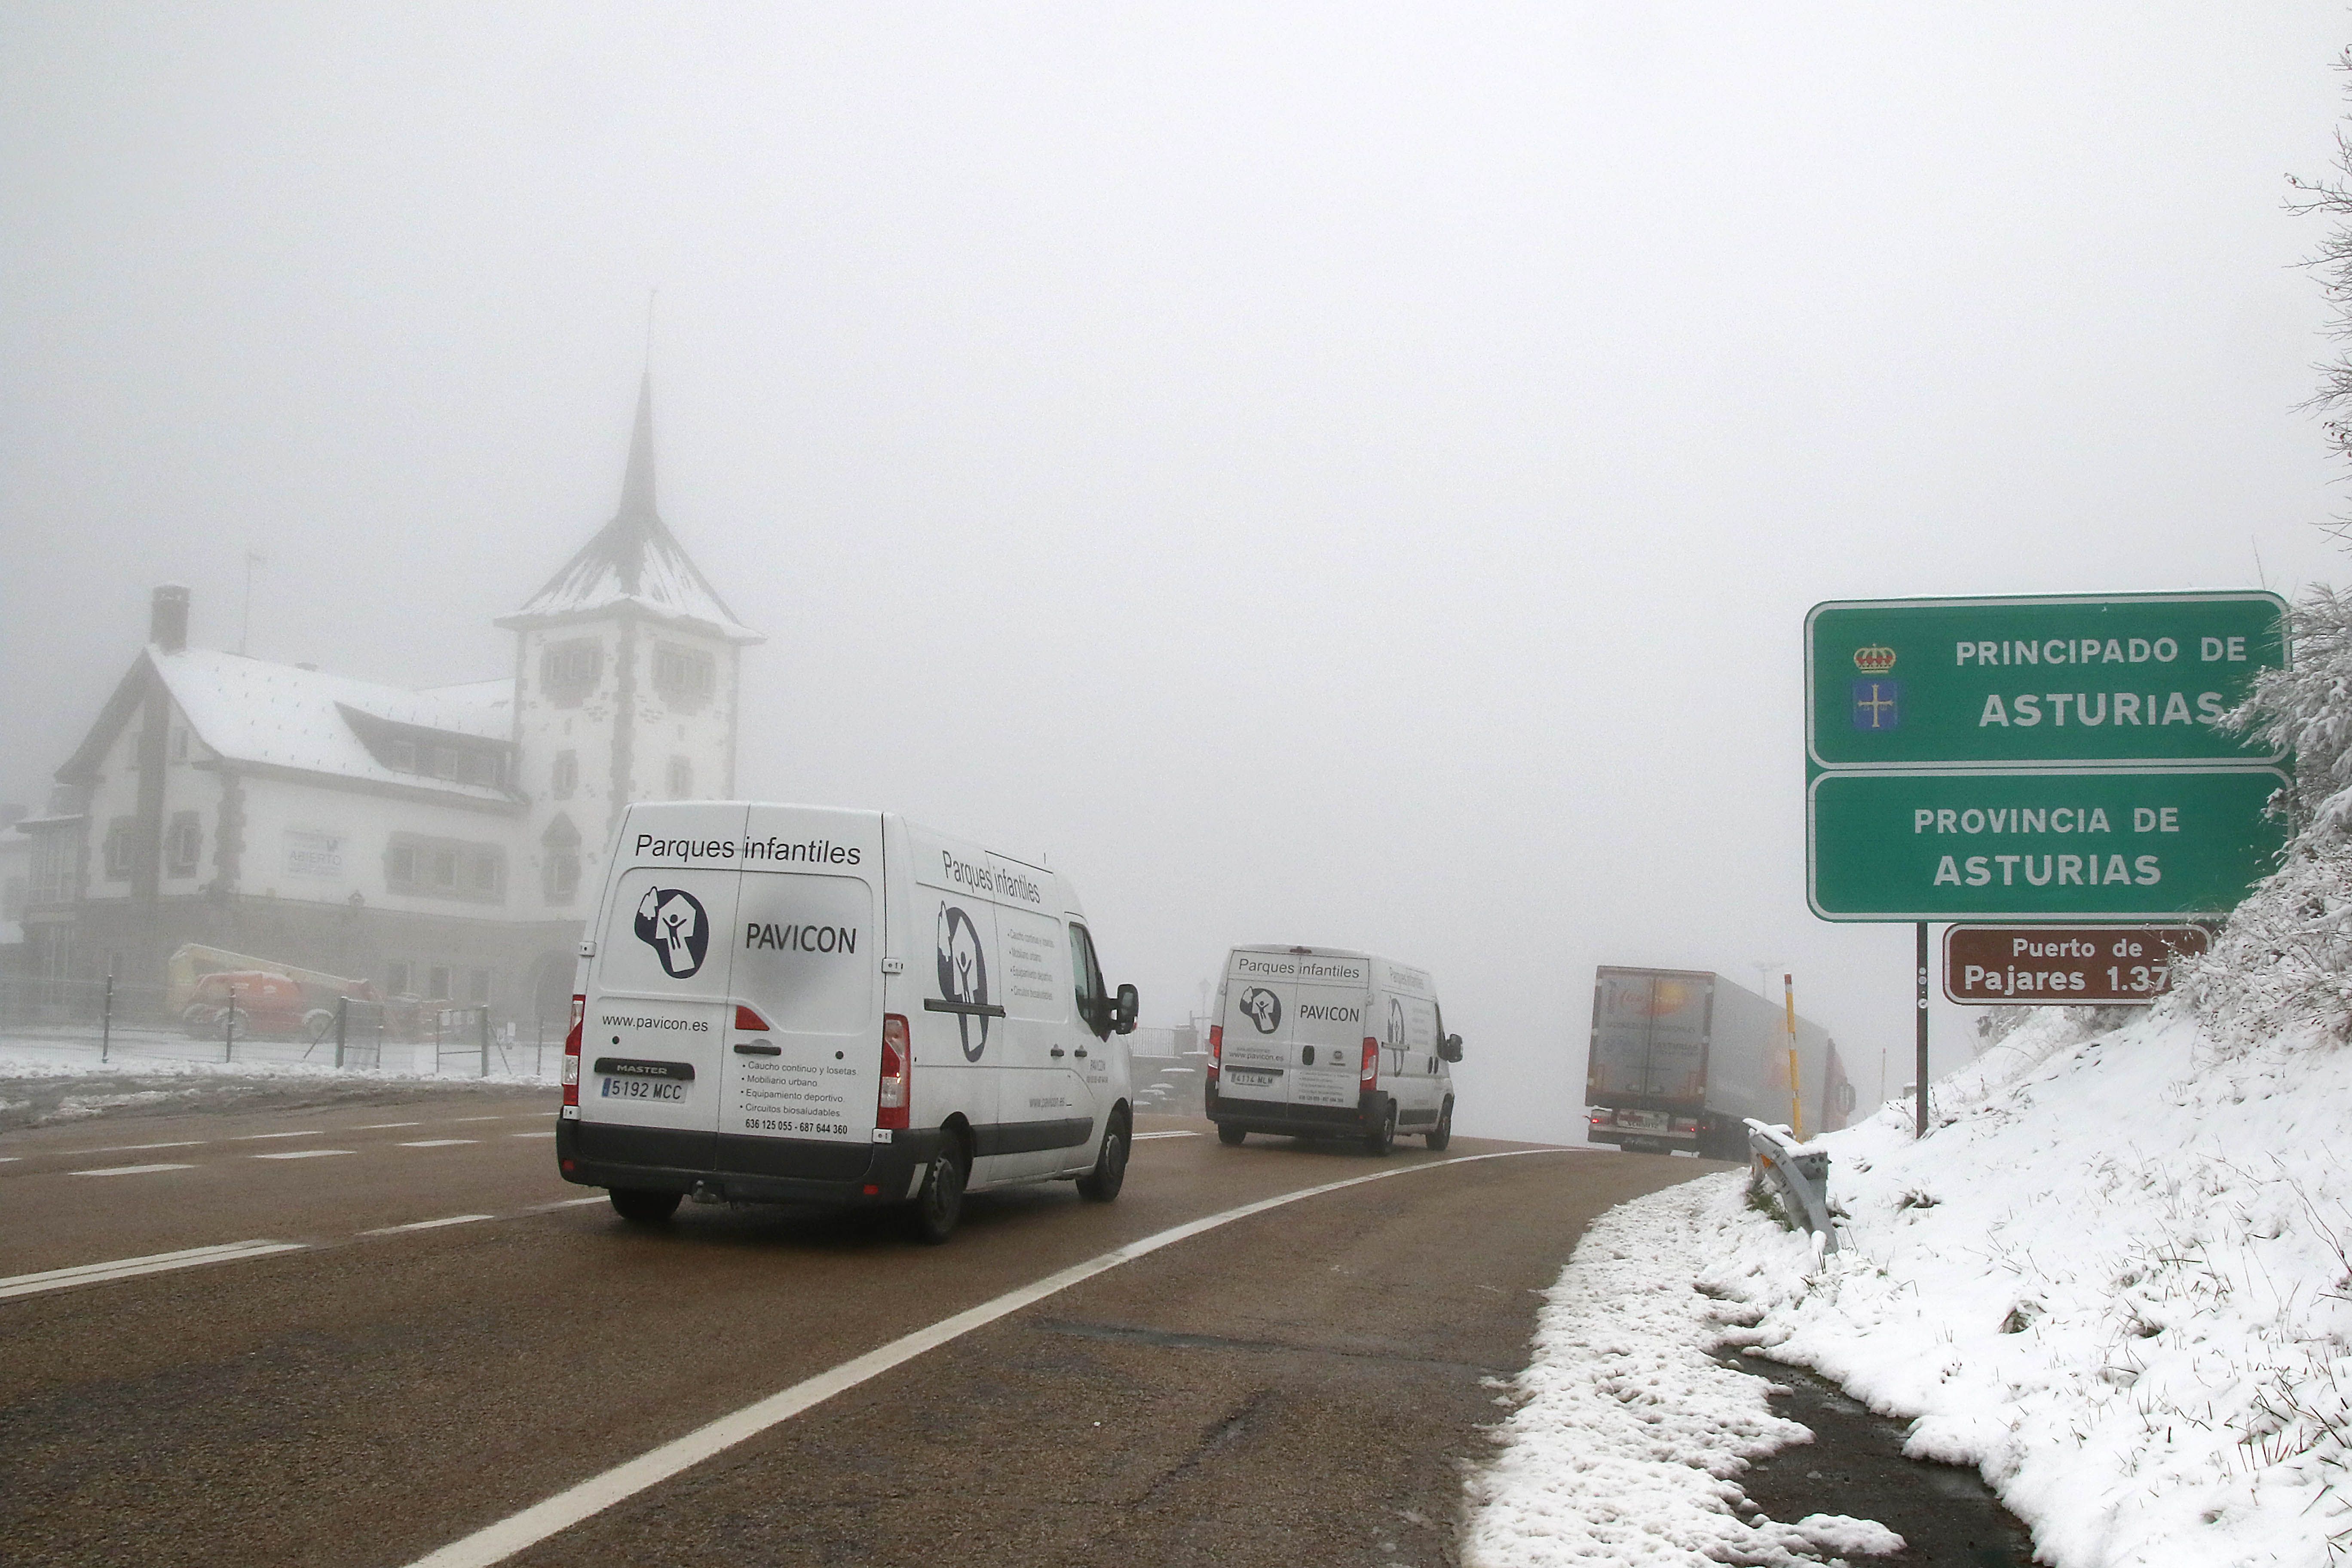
(2072, 844)
(2023, 682)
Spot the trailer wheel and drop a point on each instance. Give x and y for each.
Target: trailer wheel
(639, 1206)
(1383, 1138)
(1443, 1133)
(1231, 1134)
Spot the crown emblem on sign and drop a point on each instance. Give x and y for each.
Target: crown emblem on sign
(1873, 660)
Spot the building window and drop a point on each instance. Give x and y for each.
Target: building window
(563, 778)
(560, 868)
(397, 978)
(400, 756)
(681, 778)
(183, 842)
(119, 835)
(12, 898)
(684, 676)
(444, 869)
(437, 982)
(54, 858)
(478, 987)
(179, 744)
(569, 670)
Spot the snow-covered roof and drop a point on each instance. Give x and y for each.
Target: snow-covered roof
(634, 560)
(278, 715)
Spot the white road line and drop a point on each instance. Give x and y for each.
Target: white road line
(1181, 1133)
(549, 1133)
(427, 1224)
(501, 1116)
(568, 1204)
(385, 1126)
(438, 1143)
(499, 1541)
(125, 1268)
(136, 1148)
(258, 1137)
(303, 1155)
(129, 1170)
(12, 1159)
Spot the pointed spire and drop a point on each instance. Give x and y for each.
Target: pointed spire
(637, 485)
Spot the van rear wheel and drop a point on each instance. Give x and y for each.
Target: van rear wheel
(1383, 1138)
(1229, 1133)
(940, 1205)
(1443, 1133)
(1101, 1184)
(641, 1207)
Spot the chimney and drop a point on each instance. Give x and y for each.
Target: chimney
(167, 618)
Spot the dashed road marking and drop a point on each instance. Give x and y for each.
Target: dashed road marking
(136, 1148)
(258, 1137)
(567, 1204)
(385, 1126)
(501, 1116)
(550, 1134)
(129, 1170)
(427, 1224)
(303, 1155)
(1181, 1133)
(438, 1143)
(126, 1267)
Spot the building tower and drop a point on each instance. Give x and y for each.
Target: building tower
(627, 675)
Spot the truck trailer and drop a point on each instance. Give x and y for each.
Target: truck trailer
(1680, 1059)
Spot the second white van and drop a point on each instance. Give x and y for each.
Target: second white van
(1320, 1042)
(809, 1005)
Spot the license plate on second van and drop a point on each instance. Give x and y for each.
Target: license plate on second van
(1245, 1076)
(643, 1089)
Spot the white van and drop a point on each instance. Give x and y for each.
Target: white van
(805, 1005)
(1318, 1043)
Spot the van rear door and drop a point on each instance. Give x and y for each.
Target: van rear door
(803, 1060)
(653, 1036)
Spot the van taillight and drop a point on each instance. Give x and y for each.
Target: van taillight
(571, 1051)
(1216, 1049)
(896, 1099)
(1371, 1061)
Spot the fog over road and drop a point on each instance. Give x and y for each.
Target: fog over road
(1295, 1385)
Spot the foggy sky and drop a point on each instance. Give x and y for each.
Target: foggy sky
(1348, 475)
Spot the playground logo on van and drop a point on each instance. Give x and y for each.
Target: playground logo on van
(1261, 1007)
(670, 921)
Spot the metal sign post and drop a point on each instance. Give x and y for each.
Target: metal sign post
(2036, 759)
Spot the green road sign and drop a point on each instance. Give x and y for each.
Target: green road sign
(2060, 844)
(2033, 682)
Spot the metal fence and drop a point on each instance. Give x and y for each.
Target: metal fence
(1799, 1173)
(227, 1022)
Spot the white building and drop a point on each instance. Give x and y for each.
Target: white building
(438, 842)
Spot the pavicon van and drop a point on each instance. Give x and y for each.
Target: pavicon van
(807, 1005)
(1320, 1043)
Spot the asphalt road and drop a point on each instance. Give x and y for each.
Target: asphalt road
(1299, 1386)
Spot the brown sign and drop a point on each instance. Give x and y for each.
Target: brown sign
(2085, 966)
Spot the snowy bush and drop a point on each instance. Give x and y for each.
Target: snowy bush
(2282, 962)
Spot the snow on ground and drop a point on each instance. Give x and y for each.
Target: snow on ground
(1628, 1435)
(44, 1080)
(2113, 1279)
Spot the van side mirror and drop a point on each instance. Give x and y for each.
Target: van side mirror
(1123, 1011)
(1452, 1048)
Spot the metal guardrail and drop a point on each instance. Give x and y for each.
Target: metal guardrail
(1800, 1171)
